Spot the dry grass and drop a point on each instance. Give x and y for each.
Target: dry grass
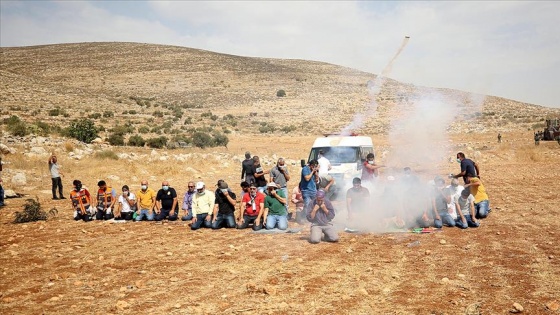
(69, 146)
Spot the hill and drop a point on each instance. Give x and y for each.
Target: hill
(176, 91)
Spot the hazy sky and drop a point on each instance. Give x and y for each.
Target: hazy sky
(508, 49)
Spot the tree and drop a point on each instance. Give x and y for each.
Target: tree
(220, 139)
(82, 130)
(116, 139)
(202, 140)
(136, 141)
(281, 93)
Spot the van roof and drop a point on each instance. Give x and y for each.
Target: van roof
(343, 141)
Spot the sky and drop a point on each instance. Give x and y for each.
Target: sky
(509, 49)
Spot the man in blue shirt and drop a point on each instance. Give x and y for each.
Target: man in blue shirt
(467, 166)
(308, 187)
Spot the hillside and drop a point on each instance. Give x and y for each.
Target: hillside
(175, 90)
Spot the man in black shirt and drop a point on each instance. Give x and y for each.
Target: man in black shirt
(224, 207)
(467, 166)
(247, 169)
(166, 203)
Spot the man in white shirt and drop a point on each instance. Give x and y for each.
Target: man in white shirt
(127, 205)
(324, 164)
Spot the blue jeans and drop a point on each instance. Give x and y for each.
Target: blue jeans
(446, 220)
(250, 220)
(229, 219)
(469, 223)
(201, 222)
(145, 213)
(481, 209)
(187, 217)
(165, 214)
(262, 189)
(1, 196)
(308, 198)
(273, 219)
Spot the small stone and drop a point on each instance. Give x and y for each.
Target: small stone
(553, 306)
(444, 280)
(550, 257)
(174, 279)
(169, 254)
(462, 276)
(428, 252)
(363, 291)
(54, 298)
(443, 242)
(517, 308)
(121, 305)
(78, 283)
(177, 305)
(349, 250)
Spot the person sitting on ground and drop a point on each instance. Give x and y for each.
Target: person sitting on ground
(252, 209)
(357, 200)
(247, 168)
(56, 173)
(297, 200)
(187, 202)
(481, 202)
(146, 202)
(465, 206)
(202, 206)
(166, 203)
(454, 191)
(370, 170)
(275, 214)
(244, 189)
(260, 174)
(126, 205)
(440, 198)
(224, 207)
(81, 202)
(106, 198)
(328, 185)
(467, 166)
(321, 214)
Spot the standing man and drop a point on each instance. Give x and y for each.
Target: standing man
(499, 137)
(275, 214)
(54, 168)
(202, 206)
(166, 203)
(224, 207)
(251, 211)
(370, 170)
(146, 202)
(187, 202)
(320, 216)
(247, 169)
(308, 187)
(280, 176)
(1, 188)
(467, 166)
(106, 198)
(260, 174)
(324, 164)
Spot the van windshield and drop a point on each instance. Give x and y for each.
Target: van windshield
(337, 155)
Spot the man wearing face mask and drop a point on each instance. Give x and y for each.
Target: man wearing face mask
(468, 166)
(106, 198)
(224, 207)
(275, 214)
(166, 203)
(146, 202)
(320, 215)
(187, 202)
(81, 200)
(126, 205)
(370, 169)
(251, 211)
(203, 204)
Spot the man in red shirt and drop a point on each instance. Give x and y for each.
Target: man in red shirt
(252, 208)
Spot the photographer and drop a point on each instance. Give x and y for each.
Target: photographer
(308, 187)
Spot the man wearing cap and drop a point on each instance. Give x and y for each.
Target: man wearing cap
(247, 168)
(187, 202)
(320, 215)
(224, 207)
(203, 204)
(279, 174)
(252, 208)
(440, 198)
(146, 202)
(166, 203)
(308, 187)
(275, 214)
(481, 202)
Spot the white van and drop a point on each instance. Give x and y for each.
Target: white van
(345, 153)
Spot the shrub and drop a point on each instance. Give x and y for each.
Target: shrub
(108, 114)
(287, 129)
(143, 129)
(94, 116)
(32, 212)
(42, 128)
(202, 140)
(82, 130)
(207, 114)
(136, 141)
(281, 93)
(54, 112)
(158, 142)
(19, 129)
(116, 139)
(158, 113)
(106, 155)
(220, 139)
(68, 146)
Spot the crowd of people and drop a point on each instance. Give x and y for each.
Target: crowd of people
(263, 201)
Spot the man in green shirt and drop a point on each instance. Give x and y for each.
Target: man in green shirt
(275, 214)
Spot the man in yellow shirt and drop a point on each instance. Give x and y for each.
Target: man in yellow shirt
(146, 202)
(481, 203)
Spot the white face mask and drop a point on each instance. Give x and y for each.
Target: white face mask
(371, 162)
(200, 193)
(144, 187)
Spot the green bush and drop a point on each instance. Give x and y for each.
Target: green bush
(202, 140)
(281, 93)
(136, 141)
(82, 130)
(288, 129)
(94, 116)
(106, 155)
(32, 212)
(19, 129)
(54, 112)
(143, 129)
(220, 139)
(116, 139)
(158, 113)
(40, 128)
(108, 114)
(158, 142)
